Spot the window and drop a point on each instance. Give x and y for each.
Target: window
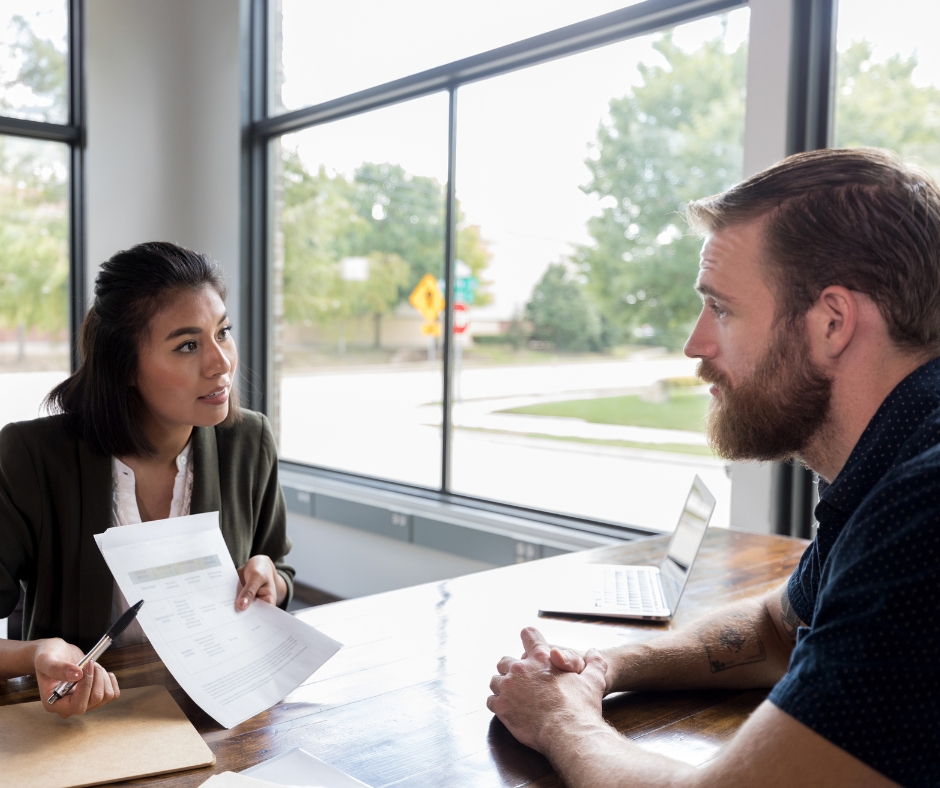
(889, 79)
(34, 60)
(361, 210)
(571, 391)
(328, 50)
(541, 187)
(38, 155)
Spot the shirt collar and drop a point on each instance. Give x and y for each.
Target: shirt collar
(182, 459)
(885, 440)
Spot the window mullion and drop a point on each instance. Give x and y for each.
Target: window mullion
(450, 243)
(77, 250)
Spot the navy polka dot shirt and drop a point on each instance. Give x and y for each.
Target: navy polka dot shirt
(865, 672)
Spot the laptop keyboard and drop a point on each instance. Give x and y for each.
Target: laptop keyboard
(629, 590)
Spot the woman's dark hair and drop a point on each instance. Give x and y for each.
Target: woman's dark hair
(130, 289)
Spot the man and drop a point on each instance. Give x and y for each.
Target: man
(820, 332)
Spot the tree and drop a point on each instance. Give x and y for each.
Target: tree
(39, 65)
(390, 218)
(880, 105)
(33, 249)
(33, 209)
(562, 313)
(677, 136)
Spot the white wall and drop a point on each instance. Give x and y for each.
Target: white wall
(350, 563)
(163, 128)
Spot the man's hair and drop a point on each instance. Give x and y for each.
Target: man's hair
(859, 218)
(104, 405)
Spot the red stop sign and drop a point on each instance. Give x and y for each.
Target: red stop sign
(461, 318)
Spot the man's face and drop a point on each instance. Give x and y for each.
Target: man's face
(768, 397)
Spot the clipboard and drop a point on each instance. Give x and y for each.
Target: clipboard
(140, 734)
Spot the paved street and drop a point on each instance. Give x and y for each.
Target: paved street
(385, 422)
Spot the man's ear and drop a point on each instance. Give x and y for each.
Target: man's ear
(833, 320)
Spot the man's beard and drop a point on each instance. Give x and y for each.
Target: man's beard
(777, 410)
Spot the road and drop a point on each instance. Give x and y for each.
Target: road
(386, 422)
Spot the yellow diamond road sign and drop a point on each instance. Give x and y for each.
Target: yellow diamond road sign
(427, 298)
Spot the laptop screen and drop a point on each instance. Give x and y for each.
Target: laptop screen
(686, 540)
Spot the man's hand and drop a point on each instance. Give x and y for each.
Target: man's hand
(532, 697)
(57, 661)
(259, 579)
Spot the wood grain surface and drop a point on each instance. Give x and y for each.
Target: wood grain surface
(403, 702)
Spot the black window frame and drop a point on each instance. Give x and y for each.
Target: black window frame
(73, 134)
(810, 120)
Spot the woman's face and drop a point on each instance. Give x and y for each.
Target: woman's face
(187, 361)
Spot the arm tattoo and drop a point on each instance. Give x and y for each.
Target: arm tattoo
(731, 642)
(788, 617)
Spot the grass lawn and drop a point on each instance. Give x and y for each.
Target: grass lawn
(684, 411)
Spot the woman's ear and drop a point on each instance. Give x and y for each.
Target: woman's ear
(833, 320)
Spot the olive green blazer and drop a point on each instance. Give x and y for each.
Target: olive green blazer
(56, 494)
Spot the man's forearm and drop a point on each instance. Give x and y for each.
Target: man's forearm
(594, 755)
(17, 658)
(738, 646)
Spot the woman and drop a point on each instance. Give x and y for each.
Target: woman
(147, 428)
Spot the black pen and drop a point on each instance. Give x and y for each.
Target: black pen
(100, 647)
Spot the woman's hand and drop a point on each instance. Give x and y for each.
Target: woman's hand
(56, 661)
(259, 579)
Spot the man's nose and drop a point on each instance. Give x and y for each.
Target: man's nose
(699, 343)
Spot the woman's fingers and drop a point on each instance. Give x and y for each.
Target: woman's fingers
(104, 689)
(257, 576)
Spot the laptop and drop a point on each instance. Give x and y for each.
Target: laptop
(646, 592)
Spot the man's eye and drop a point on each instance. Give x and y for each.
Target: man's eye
(717, 310)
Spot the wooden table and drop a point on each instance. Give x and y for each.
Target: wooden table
(403, 703)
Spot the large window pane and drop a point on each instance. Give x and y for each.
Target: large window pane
(34, 348)
(359, 223)
(326, 50)
(889, 79)
(33, 58)
(574, 394)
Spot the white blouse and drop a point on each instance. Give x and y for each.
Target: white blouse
(126, 513)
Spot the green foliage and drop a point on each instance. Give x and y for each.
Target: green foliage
(33, 229)
(392, 218)
(33, 209)
(40, 66)
(676, 137)
(879, 104)
(403, 214)
(683, 411)
(562, 313)
(473, 252)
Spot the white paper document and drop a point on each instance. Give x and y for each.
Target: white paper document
(297, 769)
(300, 768)
(234, 664)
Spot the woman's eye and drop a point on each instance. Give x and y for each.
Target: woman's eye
(225, 333)
(187, 347)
